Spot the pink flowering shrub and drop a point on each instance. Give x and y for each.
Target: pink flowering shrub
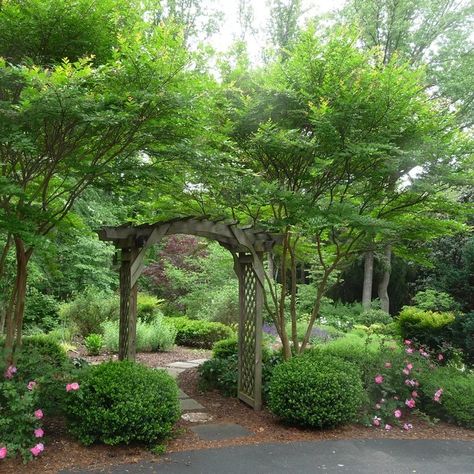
(21, 418)
(393, 390)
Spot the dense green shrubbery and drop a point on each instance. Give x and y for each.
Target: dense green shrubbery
(41, 311)
(461, 335)
(158, 335)
(432, 300)
(94, 343)
(123, 402)
(89, 310)
(457, 399)
(319, 393)
(199, 333)
(425, 327)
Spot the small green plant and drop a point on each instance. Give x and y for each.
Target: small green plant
(316, 392)
(148, 307)
(374, 316)
(123, 402)
(94, 344)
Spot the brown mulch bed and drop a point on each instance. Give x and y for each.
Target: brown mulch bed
(62, 452)
(151, 359)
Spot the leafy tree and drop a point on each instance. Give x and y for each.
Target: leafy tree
(328, 132)
(64, 128)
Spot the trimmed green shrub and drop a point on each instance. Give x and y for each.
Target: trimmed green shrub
(456, 403)
(374, 316)
(425, 327)
(123, 402)
(199, 333)
(225, 348)
(94, 343)
(317, 393)
(47, 347)
(89, 310)
(157, 335)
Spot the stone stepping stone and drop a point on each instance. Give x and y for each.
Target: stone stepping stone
(188, 404)
(181, 394)
(183, 365)
(198, 361)
(196, 417)
(220, 431)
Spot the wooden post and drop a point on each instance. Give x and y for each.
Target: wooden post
(128, 307)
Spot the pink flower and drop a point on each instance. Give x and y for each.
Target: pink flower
(31, 385)
(407, 426)
(3, 452)
(39, 414)
(388, 365)
(388, 427)
(410, 403)
(437, 395)
(39, 433)
(409, 366)
(36, 450)
(406, 371)
(397, 413)
(440, 357)
(423, 353)
(72, 386)
(410, 383)
(10, 372)
(407, 342)
(376, 421)
(378, 379)
(414, 394)
(409, 350)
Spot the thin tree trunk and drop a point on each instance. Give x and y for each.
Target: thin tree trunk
(383, 285)
(294, 329)
(368, 279)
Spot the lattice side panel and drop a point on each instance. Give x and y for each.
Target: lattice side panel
(248, 331)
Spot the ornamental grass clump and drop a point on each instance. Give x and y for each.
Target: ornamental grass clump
(316, 391)
(123, 402)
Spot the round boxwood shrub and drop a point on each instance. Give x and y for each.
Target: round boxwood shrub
(123, 402)
(322, 392)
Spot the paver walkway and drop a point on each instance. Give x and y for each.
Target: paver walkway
(389, 456)
(187, 403)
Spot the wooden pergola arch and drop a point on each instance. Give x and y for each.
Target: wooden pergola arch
(247, 246)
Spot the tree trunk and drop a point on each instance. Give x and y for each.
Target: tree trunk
(368, 279)
(16, 307)
(383, 285)
(294, 329)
